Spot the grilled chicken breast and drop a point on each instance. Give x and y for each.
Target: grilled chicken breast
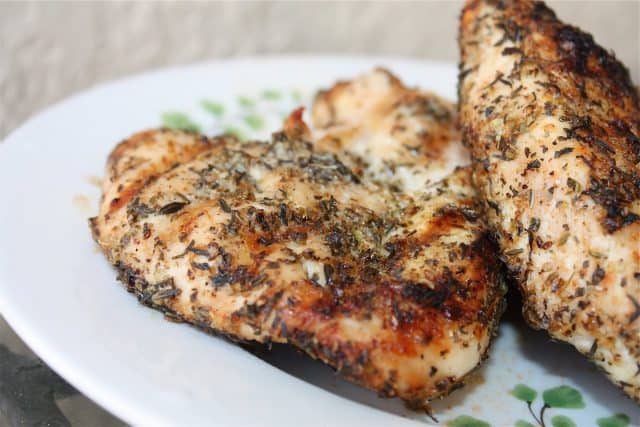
(553, 123)
(396, 136)
(284, 242)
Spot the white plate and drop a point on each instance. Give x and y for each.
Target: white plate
(62, 297)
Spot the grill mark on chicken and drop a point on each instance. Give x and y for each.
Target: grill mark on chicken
(558, 148)
(398, 290)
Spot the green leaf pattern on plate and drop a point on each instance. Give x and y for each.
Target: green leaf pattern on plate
(617, 420)
(562, 421)
(467, 421)
(235, 132)
(178, 120)
(524, 393)
(271, 94)
(254, 121)
(212, 107)
(563, 397)
(245, 101)
(247, 116)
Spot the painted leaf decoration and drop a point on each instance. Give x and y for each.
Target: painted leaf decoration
(231, 130)
(254, 122)
(177, 120)
(563, 397)
(245, 101)
(562, 421)
(523, 423)
(271, 95)
(467, 421)
(213, 107)
(524, 393)
(617, 420)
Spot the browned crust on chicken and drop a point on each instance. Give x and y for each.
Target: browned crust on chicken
(282, 242)
(553, 123)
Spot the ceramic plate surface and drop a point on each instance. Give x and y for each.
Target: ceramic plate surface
(61, 296)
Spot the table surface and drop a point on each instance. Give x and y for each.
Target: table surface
(42, 62)
(32, 394)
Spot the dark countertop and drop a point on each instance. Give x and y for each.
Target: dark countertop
(31, 394)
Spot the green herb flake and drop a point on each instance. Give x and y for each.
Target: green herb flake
(563, 239)
(524, 393)
(177, 120)
(617, 420)
(597, 254)
(562, 421)
(467, 421)
(513, 252)
(563, 397)
(213, 107)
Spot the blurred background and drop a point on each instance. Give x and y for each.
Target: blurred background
(51, 50)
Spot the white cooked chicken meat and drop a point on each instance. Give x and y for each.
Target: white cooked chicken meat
(553, 124)
(395, 285)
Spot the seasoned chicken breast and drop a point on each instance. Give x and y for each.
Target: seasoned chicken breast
(284, 242)
(553, 122)
(398, 137)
